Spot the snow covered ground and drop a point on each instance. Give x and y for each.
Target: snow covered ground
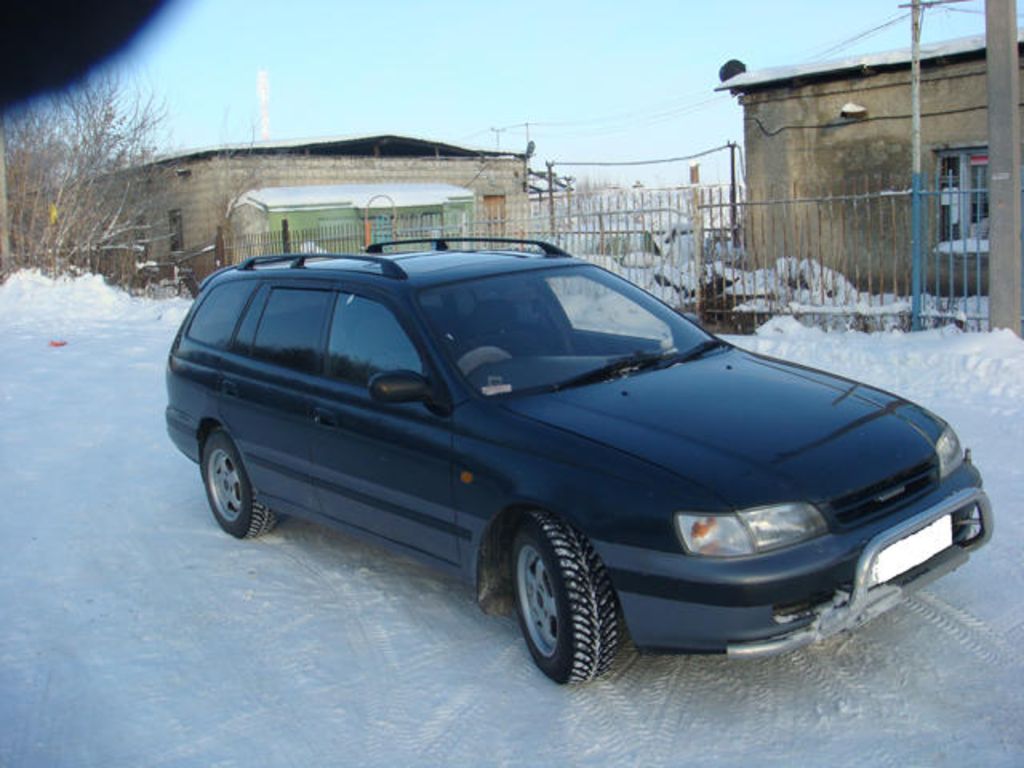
(134, 633)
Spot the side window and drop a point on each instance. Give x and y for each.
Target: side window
(290, 329)
(247, 328)
(214, 321)
(366, 338)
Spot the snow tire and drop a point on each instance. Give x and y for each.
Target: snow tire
(229, 491)
(583, 637)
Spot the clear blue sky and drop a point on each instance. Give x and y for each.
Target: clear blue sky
(597, 80)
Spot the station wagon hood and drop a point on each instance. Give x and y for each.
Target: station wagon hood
(751, 430)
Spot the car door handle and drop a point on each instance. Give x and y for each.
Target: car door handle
(324, 418)
(228, 388)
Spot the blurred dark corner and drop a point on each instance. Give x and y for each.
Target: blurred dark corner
(48, 45)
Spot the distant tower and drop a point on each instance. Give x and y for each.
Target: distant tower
(263, 89)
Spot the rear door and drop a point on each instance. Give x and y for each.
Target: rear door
(381, 468)
(266, 384)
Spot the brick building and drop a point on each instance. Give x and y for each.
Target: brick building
(199, 188)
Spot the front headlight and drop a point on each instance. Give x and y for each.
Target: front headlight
(948, 449)
(750, 531)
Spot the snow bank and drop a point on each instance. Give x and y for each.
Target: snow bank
(69, 304)
(929, 365)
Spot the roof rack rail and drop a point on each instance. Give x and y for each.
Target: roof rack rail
(298, 261)
(441, 244)
(257, 261)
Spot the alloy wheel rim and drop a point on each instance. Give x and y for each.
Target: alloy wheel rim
(537, 600)
(225, 485)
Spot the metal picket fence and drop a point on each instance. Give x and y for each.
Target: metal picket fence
(842, 259)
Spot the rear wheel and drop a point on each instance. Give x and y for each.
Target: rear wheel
(565, 601)
(229, 491)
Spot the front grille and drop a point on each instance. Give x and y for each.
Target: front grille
(868, 503)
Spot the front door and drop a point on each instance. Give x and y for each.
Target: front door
(494, 214)
(380, 468)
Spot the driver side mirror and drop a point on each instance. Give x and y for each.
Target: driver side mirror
(399, 387)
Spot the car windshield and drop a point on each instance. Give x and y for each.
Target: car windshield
(555, 328)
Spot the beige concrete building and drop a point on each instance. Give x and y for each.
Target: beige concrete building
(200, 187)
(816, 127)
(831, 143)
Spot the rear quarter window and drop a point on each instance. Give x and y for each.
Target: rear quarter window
(215, 320)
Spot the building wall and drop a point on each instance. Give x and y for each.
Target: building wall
(798, 147)
(203, 190)
(796, 139)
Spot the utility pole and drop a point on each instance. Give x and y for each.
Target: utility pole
(917, 8)
(915, 161)
(732, 193)
(915, 87)
(1003, 75)
(551, 195)
(5, 232)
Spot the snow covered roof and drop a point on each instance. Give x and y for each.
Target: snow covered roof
(371, 196)
(851, 65)
(387, 145)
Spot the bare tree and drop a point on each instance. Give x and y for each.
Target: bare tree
(80, 179)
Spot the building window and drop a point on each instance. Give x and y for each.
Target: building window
(177, 241)
(963, 195)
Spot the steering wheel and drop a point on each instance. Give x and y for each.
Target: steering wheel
(473, 359)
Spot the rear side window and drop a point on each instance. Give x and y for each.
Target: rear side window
(366, 338)
(215, 320)
(291, 328)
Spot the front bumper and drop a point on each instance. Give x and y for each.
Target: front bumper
(772, 604)
(849, 610)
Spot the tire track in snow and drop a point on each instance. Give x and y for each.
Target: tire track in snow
(451, 723)
(845, 671)
(818, 670)
(969, 631)
(666, 705)
(346, 585)
(408, 728)
(599, 710)
(673, 710)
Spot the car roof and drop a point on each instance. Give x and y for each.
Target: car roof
(413, 269)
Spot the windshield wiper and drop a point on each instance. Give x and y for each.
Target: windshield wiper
(617, 367)
(694, 352)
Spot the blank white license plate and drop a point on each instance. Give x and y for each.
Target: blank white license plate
(912, 551)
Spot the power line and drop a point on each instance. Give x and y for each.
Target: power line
(644, 162)
(614, 123)
(655, 108)
(858, 37)
(636, 124)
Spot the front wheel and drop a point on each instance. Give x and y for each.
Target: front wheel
(565, 601)
(229, 491)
